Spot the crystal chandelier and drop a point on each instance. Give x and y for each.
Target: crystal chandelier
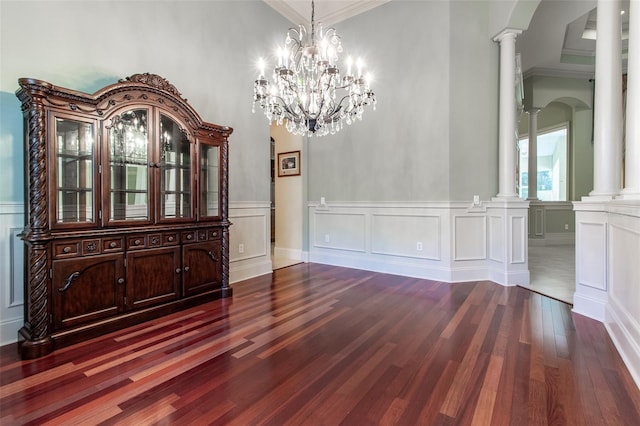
(307, 88)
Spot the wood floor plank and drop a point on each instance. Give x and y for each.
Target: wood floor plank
(319, 344)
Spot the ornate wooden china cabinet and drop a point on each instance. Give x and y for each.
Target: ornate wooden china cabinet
(126, 209)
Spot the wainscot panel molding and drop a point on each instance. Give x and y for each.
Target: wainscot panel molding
(607, 285)
(622, 317)
(444, 241)
(251, 228)
(11, 271)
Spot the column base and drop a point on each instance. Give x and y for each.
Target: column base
(629, 194)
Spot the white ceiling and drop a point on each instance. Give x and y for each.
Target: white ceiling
(559, 40)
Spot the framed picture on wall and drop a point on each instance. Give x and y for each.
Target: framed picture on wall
(289, 163)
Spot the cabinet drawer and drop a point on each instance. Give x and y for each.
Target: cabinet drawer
(154, 240)
(170, 238)
(136, 242)
(112, 244)
(91, 247)
(66, 249)
(188, 236)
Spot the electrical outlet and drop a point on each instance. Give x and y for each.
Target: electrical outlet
(240, 248)
(326, 238)
(566, 226)
(419, 246)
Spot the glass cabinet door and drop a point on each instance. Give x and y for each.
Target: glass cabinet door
(175, 171)
(74, 152)
(209, 180)
(128, 156)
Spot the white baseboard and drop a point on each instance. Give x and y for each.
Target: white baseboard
(243, 270)
(287, 253)
(9, 330)
(398, 267)
(589, 307)
(624, 331)
(554, 239)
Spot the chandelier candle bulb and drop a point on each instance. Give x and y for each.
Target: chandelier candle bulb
(307, 89)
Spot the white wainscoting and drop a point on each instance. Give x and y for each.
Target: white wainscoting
(11, 271)
(622, 317)
(251, 228)
(444, 241)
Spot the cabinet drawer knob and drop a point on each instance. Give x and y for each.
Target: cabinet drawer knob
(170, 239)
(178, 270)
(154, 240)
(137, 242)
(67, 249)
(186, 269)
(112, 244)
(121, 281)
(189, 237)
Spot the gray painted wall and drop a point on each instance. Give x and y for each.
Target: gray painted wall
(433, 136)
(206, 49)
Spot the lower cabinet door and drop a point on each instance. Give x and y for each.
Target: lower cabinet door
(87, 289)
(202, 271)
(153, 276)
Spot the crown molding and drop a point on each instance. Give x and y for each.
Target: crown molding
(329, 13)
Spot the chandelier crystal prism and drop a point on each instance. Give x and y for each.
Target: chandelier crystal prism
(307, 89)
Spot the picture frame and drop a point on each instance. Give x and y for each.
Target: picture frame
(289, 163)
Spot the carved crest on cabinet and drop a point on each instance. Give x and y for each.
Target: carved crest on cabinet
(154, 80)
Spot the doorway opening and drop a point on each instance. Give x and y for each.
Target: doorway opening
(286, 200)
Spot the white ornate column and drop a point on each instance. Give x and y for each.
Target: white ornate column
(533, 154)
(507, 212)
(607, 126)
(632, 151)
(507, 120)
(593, 213)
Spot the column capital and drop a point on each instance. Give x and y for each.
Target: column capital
(533, 110)
(507, 33)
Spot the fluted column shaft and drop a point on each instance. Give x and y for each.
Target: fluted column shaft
(607, 126)
(507, 129)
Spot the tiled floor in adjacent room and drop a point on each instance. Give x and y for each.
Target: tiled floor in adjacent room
(552, 271)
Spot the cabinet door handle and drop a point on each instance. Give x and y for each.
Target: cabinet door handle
(212, 256)
(186, 269)
(178, 270)
(69, 281)
(121, 281)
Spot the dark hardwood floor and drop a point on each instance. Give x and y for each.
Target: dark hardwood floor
(316, 344)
